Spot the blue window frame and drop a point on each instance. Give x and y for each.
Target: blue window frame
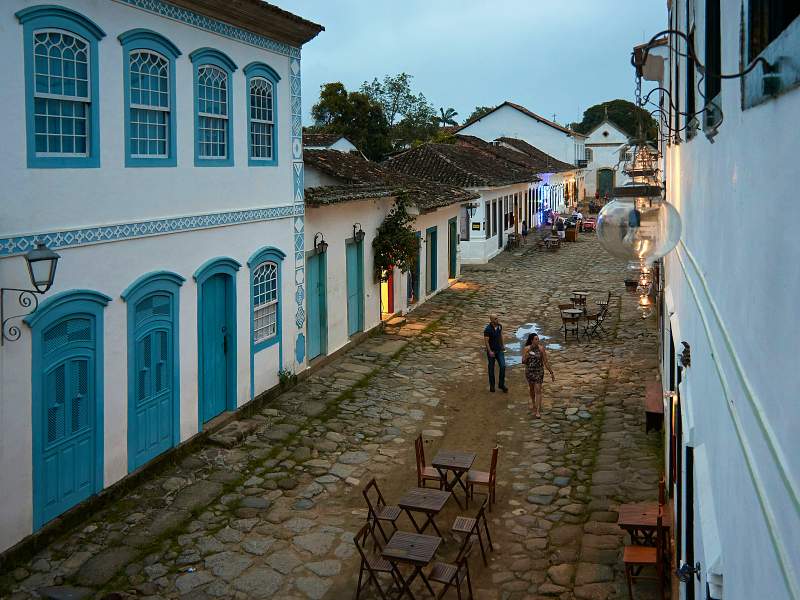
(213, 108)
(149, 74)
(262, 115)
(61, 87)
(265, 297)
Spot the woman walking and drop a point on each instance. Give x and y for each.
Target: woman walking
(534, 357)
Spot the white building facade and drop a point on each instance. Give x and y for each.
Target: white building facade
(158, 150)
(733, 456)
(606, 150)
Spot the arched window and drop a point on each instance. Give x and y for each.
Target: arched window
(262, 83)
(61, 87)
(589, 154)
(265, 301)
(213, 122)
(149, 98)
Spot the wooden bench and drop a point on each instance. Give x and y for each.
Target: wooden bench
(653, 407)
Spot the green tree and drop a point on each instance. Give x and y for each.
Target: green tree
(624, 114)
(396, 243)
(479, 112)
(355, 116)
(410, 116)
(447, 117)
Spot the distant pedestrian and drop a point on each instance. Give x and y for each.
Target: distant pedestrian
(534, 357)
(560, 227)
(524, 232)
(495, 351)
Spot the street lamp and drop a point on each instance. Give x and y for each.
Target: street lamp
(358, 233)
(471, 208)
(320, 245)
(41, 263)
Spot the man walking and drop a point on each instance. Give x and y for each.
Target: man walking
(495, 351)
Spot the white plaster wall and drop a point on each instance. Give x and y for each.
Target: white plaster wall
(480, 249)
(737, 308)
(110, 268)
(509, 122)
(39, 200)
(336, 224)
(438, 219)
(604, 157)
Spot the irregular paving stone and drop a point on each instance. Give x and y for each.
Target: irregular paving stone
(316, 543)
(259, 582)
(325, 568)
(227, 565)
(593, 573)
(98, 570)
(284, 561)
(64, 592)
(312, 587)
(257, 545)
(197, 495)
(228, 535)
(561, 574)
(353, 458)
(188, 581)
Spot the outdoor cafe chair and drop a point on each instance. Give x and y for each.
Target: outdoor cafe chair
(564, 307)
(472, 526)
(380, 511)
(425, 473)
(605, 302)
(592, 324)
(601, 317)
(372, 565)
(489, 480)
(637, 558)
(570, 324)
(453, 575)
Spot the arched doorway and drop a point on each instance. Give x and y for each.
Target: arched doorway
(605, 182)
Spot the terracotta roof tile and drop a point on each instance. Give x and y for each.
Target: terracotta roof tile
(320, 140)
(548, 164)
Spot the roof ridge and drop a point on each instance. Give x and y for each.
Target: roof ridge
(457, 167)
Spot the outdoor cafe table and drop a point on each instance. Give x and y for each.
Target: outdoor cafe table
(579, 293)
(414, 549)
(457, 462)
(424, 500)
(640, 521)
(573, 312)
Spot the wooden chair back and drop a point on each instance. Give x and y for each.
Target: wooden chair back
(360, 540)
(662, 491)
(419, 445)
(569, 319)
(493, 468)
(579, 300)
(564, 306)
(373, 510)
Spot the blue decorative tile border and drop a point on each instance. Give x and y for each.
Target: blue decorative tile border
(299, 231)
(194, 19)
(111, 233)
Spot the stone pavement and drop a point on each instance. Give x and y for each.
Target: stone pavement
(269, 510)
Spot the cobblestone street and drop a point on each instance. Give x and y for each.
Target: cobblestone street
(270, 510)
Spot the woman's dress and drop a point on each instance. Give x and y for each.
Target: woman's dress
(534, 367)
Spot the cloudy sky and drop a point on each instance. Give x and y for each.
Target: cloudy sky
(552, 56)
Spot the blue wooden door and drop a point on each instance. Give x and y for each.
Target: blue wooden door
(431, 258)
(317, 306)
(153, 397)
(216, 333)
(65, 465)
(355, 287)
(452, 248)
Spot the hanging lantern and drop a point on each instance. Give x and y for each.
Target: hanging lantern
(638, 225)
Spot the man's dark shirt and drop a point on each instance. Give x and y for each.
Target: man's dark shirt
(494, 334)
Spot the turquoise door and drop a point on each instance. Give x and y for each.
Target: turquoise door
(431, 259)
(413, 276)
(452, 239)
(216, 323)
(316, 290)
(152, 391)
(355, 287)
(66, 463)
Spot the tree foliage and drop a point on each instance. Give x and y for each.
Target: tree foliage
(447, 117)
(479, 112)
(410, 116)
(625, 114)
(353, 115)
(396, 243)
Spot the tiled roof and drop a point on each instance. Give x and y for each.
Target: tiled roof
(259, 17)
(526, 112)
(513, 156)
(461, 165)
(549, 164)
(320, 140)
(363, 179)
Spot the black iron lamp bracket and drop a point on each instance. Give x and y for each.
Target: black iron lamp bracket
(686, 355)
(685, 572)
(26, 299)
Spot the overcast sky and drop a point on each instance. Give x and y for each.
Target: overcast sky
(552, 56)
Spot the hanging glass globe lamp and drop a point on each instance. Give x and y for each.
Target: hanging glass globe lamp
(638, 225)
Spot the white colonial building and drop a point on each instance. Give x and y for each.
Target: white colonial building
(606, 151)
(347, 199)
(156, 146)
(731, 289)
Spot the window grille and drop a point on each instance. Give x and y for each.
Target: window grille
(261, 118)
(265, 301)
(61, 97)
(149, 104)
(212, 106)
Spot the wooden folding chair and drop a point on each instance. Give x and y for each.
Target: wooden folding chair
(485, 479)
(470, 526)
(425, 473)
(637, 558)
(605, 302)
(662, 491)
(592, 324)
(380, 511)
(373, 565)
(570, 324)
(453, 575)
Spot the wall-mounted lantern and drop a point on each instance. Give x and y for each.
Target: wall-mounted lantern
(42, 263)
(320, 245)
(358, 233)
(686, 355)
(471, 208)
